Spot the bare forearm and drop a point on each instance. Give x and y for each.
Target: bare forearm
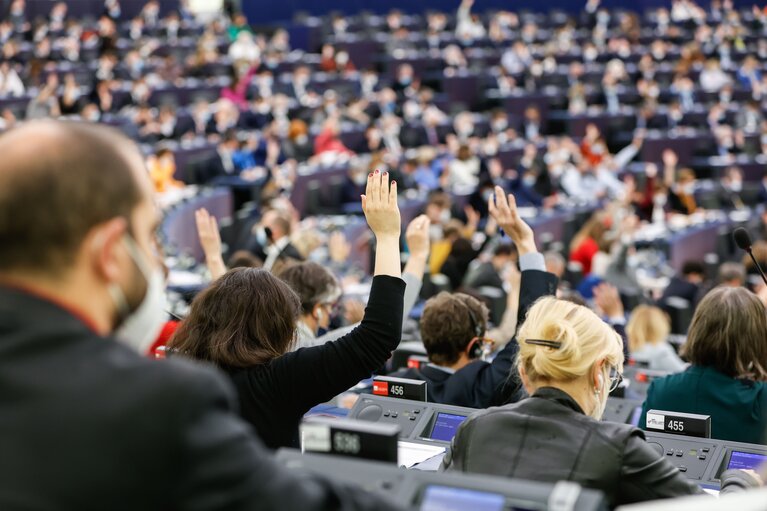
(387, 256)
(216, 266)
(505, 331)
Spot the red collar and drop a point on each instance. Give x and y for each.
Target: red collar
(45, 296)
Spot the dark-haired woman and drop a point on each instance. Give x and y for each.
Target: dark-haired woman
(245, 323)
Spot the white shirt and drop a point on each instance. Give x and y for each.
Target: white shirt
(274, 250)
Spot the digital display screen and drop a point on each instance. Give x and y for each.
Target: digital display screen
(746, 460)
(445, 426)
(443, 498)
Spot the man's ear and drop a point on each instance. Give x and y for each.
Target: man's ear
(105, 250)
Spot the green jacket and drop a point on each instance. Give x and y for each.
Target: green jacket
(738, 408)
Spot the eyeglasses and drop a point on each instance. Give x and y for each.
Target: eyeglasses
(615, 379)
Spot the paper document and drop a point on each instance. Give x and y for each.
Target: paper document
(409, 453)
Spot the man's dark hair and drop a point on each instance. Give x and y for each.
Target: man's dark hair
(693, 267)
(447, 327)
(58, 180)
(504, 249)
(245, 318)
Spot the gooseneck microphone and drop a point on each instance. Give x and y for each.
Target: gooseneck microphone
(743, 241)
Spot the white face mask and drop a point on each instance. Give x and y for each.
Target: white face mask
(142, 326)
(261, 237)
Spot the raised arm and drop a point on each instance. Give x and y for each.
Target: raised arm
(336, 366)
(417, 237)
(382, 214)
(210, 239)
(497, 383)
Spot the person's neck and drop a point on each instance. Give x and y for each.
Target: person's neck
(580, 390)
(462, 362)
(73, 291)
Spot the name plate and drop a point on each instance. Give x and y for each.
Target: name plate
(417, 361)
(345, 437)
(678, 423)
(400, 388)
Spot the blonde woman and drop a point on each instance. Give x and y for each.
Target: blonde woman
(647, 332)
(569, 360)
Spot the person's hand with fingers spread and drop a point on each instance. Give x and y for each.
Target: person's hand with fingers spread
(417, 237)
(505, 213)
(210, 239)
(382, 214)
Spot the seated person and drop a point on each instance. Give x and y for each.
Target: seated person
(728, 376)
(319, 291)
(490, 273)
(647, 333)
(687, 284)
(271, 240)
(569, 361)
(453, 327)
(245, 323)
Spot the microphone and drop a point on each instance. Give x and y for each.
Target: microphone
(743, 241)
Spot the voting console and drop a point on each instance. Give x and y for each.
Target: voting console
(700, 459)
(437, 423)
(432, 491)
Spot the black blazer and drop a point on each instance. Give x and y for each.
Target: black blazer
(481, 384)
(86, 424)
(548, 438)
(275, 396)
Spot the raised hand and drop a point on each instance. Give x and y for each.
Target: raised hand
(338, 248)
(382, 214)
(417, 236)
(380, 205)
(505, 213)
(210, 239)
(669, 157)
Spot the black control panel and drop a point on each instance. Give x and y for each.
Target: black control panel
(700, 459)
(439, 490)
(434, 422)
(417, 420)
(704, 459)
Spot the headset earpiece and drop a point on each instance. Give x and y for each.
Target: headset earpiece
(475, 345)
(475, 348)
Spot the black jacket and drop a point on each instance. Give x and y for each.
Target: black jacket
(86, 424)
(548, 438)
(482, 384)
(275, 396)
